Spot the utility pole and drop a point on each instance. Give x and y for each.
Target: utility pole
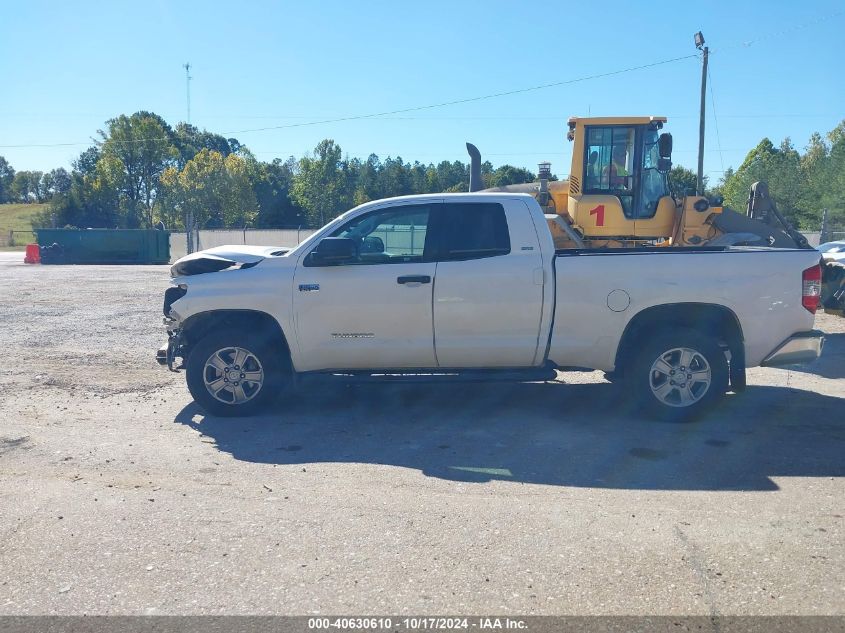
(187, 67)
(699, 44)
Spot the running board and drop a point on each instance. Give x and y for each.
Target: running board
(533, 374)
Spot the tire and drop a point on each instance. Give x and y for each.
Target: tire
(658, 385)
(261, 375)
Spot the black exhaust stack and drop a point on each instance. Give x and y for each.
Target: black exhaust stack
(476, 183)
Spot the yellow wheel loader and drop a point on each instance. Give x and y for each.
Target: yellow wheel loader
(618, 196)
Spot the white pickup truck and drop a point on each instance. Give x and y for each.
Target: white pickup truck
(470, 285)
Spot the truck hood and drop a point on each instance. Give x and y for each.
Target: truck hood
(222, 257)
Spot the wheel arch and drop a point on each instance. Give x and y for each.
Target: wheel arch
(199, 325)
(712, 319)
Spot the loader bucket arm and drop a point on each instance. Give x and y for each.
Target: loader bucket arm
(729, 223)
(762, 207)
(762, 219)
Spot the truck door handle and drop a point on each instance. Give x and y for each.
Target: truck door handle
(413, 279)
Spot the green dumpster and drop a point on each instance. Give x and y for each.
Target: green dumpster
(104, 246)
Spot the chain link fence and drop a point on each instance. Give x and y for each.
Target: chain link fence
(832, 229)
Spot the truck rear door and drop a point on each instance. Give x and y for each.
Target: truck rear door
(488, 293)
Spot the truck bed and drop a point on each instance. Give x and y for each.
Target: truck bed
(597, 296)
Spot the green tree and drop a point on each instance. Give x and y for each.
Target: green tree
(367, 185)
(19, 189)
(90, 201)
(135, 151)
(7, 176)
(215, 189)
(448, 176)
(26, 187)
(188, 140)
(319, 185)
(86, 162)
(418, 180)
(683, 181)
(394, 177)
(271, 183)
(508, 175)
(829, 189)
(59, 181)
(780, 168)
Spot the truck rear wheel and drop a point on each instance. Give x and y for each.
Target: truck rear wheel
(678, 375)
(234, 373)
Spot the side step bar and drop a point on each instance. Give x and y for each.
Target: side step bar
(534, 374)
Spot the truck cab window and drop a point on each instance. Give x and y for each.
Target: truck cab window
(473, 231)
(390, 236)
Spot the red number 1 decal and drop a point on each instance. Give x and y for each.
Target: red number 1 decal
(599, 213)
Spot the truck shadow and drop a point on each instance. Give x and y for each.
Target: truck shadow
(543, 433)
(831, 364)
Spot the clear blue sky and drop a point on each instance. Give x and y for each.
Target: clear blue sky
(67, 67)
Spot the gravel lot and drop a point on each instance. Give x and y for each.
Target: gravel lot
(118, 497)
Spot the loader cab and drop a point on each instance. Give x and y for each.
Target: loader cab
(618, 184)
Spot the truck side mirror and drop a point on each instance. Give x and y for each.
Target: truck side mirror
(664, 145)
(334, 250)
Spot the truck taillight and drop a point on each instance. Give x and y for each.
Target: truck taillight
(811, 288)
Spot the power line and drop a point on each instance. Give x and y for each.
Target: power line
(716, 122)
(403, 110)
(791, 29)
(762, 116)
(470, 99)
(382, 115)
(758, 115)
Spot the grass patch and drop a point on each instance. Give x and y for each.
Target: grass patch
(17, 217)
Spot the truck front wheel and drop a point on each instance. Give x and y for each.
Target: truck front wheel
(678, 375)
(235, 374)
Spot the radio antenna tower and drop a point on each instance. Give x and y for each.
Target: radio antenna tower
(187, 67)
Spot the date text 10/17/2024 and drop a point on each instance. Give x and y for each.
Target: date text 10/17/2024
(418, 623)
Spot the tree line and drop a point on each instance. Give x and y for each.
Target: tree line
(801, 184)
(31, 186)
(141, 171)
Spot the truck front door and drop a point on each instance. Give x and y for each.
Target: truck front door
(373, 311)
